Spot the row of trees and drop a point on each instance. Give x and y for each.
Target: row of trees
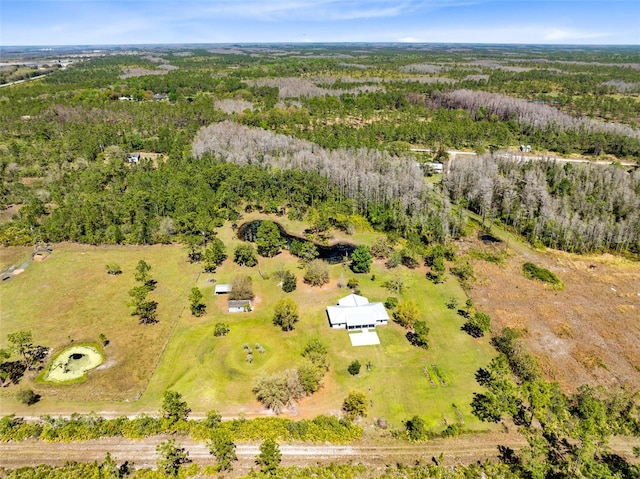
(577, 208)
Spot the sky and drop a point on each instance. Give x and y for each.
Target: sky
(110, 22)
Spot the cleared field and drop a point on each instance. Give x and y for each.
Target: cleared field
(586, 333)
(212, 372)
(69, 298)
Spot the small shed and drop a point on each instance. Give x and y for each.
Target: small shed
(223, 288)
(240, 306)
(133, 158)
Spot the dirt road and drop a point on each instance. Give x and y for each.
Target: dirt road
(142, 453)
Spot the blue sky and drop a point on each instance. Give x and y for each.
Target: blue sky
(98, 22)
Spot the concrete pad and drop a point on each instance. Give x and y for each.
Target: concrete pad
(365, 338)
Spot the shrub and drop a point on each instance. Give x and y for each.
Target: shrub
(354, 367)
(391, 302)
(416, 428)
(353, 283)
(28, 397)
(221, 329)
(113, 269)
(452, 303)
(355, 405)
(537, 273)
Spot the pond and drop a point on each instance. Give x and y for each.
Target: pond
(73, 363)
(334, 253)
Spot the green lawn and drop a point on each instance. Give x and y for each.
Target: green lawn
(70, 296)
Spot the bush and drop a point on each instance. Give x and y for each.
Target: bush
(221, 329)
(28, 397)
(355, 405)
(354, 368)
(391, 302)
(452, 303)
(113, 269)
(537, 273)
(416, 428)
(353, 283)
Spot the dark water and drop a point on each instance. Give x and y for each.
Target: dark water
(332, 254)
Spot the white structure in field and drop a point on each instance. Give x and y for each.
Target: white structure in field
(356, 312)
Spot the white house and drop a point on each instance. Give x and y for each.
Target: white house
(240, 306)
(223, 288)
(356, 312)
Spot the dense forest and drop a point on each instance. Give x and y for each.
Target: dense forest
(223, 128)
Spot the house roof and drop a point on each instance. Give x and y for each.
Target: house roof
(223, 288)
(354, 316)
(353, 300)
(239, 303)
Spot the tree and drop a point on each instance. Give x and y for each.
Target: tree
(221, 329)
(269, 457)
(142, 307)
(391, 302)
(173, 407)
(310, 375)
(354, 367)
(478, 324)
(222, 447)
(171, 457)
(113, 269)
(416, 428)
(316, 352)
(317, 273)
(198, 308)
(355, 405)
(286, 314)
(289, 282)
(381, 248)
(268, 239)
(142, 272)
(419, 336)
(279, 390)
(241, 287)
(245, 255)
(213, 419)
(305, 250)
(361, 260)
(21, 342)
(28, 397)
(406, 314)
(214, 255)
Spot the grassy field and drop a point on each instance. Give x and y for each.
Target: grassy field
(70, 296)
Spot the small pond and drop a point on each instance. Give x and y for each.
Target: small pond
(331, 253)
(73, 363)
